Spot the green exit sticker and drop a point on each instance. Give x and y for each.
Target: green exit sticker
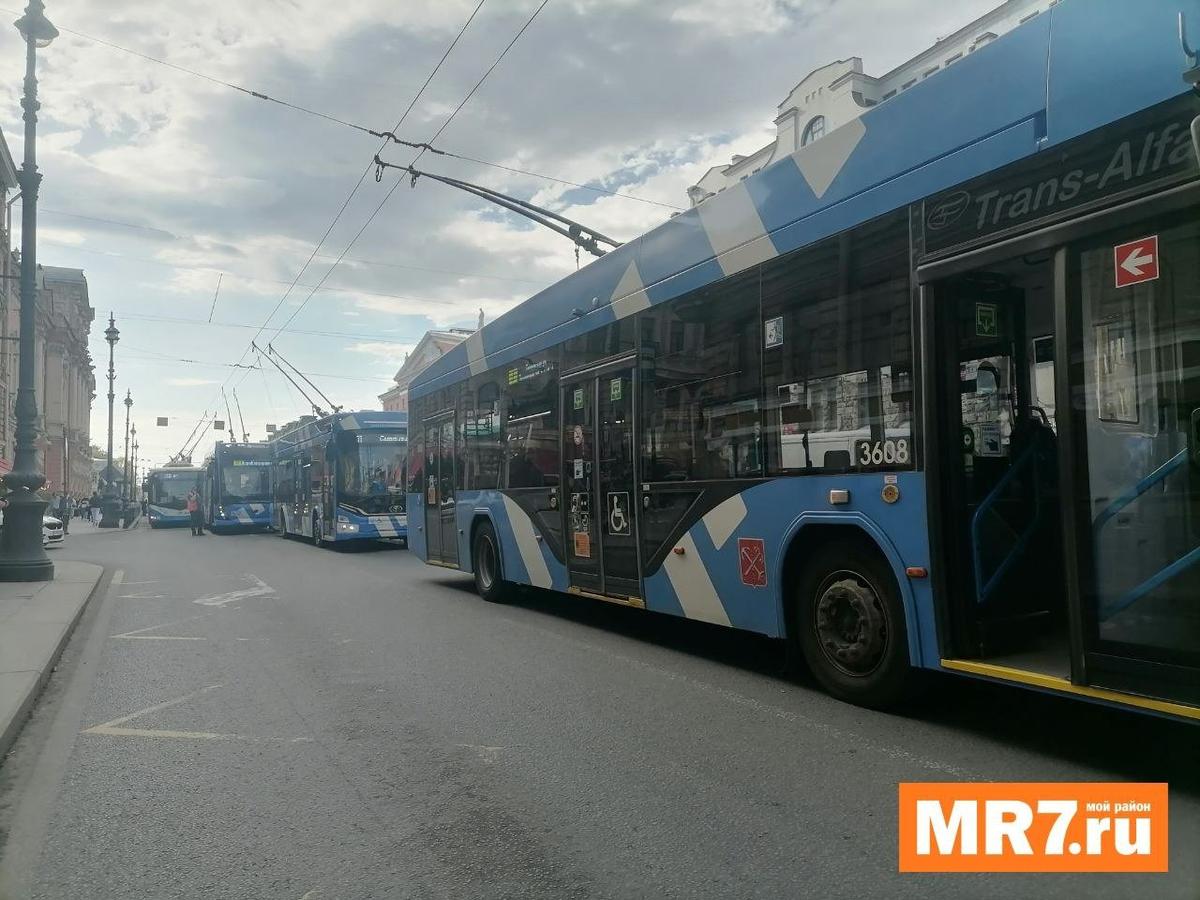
(579, 398)
(513, 376)
(614, 389)
(986, 321)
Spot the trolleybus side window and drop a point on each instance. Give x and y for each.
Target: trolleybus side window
(837, 353)
(531, 422)
(701, 397)
(483, 459)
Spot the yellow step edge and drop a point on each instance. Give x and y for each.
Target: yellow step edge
(1064, 686)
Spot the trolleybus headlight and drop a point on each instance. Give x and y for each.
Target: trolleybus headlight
(344, 524)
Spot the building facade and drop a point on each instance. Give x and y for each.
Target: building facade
(838, 92)
(64, 377)
(67, 383)
(432, 346)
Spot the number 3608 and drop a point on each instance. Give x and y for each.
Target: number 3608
(881, 453)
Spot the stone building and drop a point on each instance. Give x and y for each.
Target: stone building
(64, 379)
(838, 92)
(432, 346)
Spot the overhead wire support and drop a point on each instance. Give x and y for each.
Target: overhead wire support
(333, 406)
(584, 237)
(316, 408)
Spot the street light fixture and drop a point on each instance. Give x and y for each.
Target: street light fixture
(110, 506)
(21, 555)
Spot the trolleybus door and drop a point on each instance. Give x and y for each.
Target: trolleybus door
(600, 499)
(1135, 399)
(440, 532)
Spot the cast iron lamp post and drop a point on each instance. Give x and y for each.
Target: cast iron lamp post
(125, 459)
(21, 555)
(110, 505)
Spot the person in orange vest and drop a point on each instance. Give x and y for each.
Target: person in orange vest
(193, 508)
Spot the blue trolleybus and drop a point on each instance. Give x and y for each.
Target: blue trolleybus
(237, 488)
(924, 394)
(342, 478)
(166, 494)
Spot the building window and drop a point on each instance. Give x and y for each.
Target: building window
(813, 130)
(929, 72)
(889, 95)
(908, 84)
(955, 58)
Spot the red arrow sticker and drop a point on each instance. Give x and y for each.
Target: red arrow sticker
(1136, 261)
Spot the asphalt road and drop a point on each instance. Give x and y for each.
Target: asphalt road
(249, 717)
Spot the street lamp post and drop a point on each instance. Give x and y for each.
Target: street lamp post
(133, 489)
(21, 555)
(125, 460)
(110, 505)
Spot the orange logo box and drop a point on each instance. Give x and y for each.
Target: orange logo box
(1033, 827)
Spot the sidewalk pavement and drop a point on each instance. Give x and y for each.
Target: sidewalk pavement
(36, 619)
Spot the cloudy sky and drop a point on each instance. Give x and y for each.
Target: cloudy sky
(158, 183)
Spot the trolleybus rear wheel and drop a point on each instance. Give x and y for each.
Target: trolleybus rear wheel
(485, 562)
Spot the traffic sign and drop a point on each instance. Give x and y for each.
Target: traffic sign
(1136, 261)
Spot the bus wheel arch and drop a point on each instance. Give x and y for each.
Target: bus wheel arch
(845, 613)
(487, 561)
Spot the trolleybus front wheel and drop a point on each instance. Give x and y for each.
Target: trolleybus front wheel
(849, 623)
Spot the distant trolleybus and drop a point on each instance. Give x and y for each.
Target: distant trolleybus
(237, 488)
(166, 494)
(922, 394)
(342, 478)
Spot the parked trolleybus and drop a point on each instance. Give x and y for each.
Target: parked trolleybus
(924, 394)
(237, 488)
(342, 478)
(167, 489)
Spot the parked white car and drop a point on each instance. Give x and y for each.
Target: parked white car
(52, 530)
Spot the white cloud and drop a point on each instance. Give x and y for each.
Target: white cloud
(190, 382)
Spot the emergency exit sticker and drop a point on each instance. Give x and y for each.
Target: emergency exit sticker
(1136, 261)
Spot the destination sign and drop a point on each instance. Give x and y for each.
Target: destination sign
(1153, 146)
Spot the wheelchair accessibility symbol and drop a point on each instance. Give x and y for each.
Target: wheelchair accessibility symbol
(618, 513)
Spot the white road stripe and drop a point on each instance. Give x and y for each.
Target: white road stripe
(261, 589)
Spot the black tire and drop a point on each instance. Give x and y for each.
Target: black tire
(849, 624)
(487, 565)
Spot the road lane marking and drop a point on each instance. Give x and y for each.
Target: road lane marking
(142, 582)
(166, 704)
(142, 596)
(139, 634)
(115, 727)
(260, 589)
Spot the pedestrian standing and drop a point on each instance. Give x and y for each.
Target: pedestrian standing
(193, 508)
(95, 509)
(65, 505)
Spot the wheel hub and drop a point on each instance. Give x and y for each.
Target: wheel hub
(851, 625)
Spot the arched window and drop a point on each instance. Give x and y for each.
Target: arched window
(813, 130)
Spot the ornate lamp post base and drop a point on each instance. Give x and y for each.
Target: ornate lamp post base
(110, 512)
(22, 557)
